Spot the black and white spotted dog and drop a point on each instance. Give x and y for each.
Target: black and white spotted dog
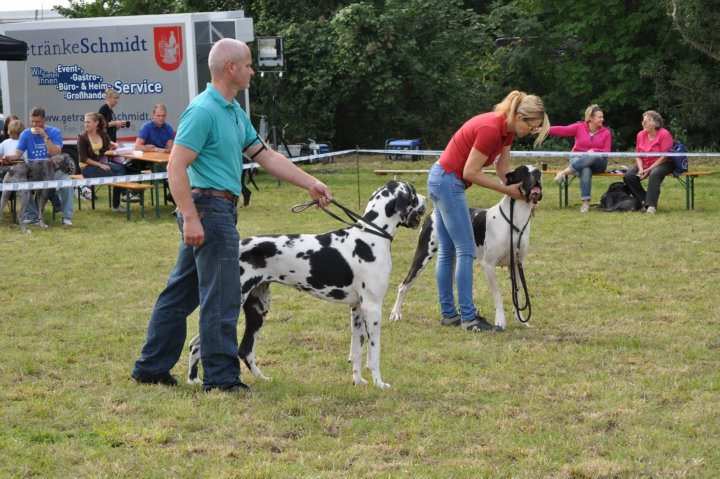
(349, 266)
(492, 238)
(43, 170)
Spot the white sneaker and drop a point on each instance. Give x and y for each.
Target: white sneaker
(119, 209)
(34, 222)
(585, 208)
(560, 177)
(67, 222)
(651, 210)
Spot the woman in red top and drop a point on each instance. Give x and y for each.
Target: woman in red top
(652, 138)
(483, 140)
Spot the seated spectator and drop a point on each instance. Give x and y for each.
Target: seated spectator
(6, 125)
(590, 135)
(8, 146)
(652, 138)
(156, 135)
(41, 142)
(92, 145)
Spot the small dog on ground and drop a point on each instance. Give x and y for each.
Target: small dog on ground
(349, 266)
(492, 238)
(34, 171)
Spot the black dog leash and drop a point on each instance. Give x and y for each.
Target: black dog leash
(370, 228)
(513, 275)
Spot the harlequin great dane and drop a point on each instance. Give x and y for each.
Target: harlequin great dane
(43, 170)
(349, 266)
(492, 239)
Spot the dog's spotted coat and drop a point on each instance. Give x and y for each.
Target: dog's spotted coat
(492, 239)
(349, 266)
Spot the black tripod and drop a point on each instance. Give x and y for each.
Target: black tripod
(273, 120)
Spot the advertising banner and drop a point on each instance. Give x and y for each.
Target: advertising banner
(68, 70)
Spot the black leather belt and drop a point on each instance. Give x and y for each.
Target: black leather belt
(213, 192)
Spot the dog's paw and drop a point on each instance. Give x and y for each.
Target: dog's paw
(359, 380)
(194, 381)
(382, 385)
(395, 315)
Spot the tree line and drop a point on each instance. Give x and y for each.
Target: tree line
(359, 72)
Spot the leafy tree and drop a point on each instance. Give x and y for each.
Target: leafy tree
(577, 53)
(112, 8)
(358, 72)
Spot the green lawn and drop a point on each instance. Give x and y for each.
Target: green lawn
(618, 375)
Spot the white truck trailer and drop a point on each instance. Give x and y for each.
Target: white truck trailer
(148, 59)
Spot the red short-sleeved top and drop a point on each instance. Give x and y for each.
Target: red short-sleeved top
(487, 133)
(662, 142)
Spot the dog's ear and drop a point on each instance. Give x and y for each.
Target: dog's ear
(404, 196)
(510, 178)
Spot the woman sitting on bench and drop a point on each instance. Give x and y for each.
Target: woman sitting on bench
(92, 145)
(652, 138)
(590, 135)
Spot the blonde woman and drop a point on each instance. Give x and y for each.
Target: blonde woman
(483, 140)
(8, 146)
(652, 138)
(590, 136)
(112, 97)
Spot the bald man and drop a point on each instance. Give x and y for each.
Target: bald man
(204, 175)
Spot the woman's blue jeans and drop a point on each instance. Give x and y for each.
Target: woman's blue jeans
(92, 171)
(584, 166)
(208, 276)
(456, 249)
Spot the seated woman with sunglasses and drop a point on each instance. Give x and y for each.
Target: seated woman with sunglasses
(590, 136)
(652, 138)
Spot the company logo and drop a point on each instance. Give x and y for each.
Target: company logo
(168, 47)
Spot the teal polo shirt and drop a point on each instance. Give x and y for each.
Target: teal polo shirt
(218, 132)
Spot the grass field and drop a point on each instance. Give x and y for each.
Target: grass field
(617, 377)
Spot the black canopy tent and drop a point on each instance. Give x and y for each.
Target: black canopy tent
(12, 50)
(15, 50)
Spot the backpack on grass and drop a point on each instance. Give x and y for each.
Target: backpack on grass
(618, 198)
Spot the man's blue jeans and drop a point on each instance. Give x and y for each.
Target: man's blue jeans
(456, 243)
(584, 166)
(208, 276)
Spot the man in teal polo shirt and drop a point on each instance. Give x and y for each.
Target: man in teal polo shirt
(204, 174)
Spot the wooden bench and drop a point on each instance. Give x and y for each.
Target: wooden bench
(395, 173)
(686, 179)
(139, 188)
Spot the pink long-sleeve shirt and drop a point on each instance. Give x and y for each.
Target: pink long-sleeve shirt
(662, 142)
(584, 140)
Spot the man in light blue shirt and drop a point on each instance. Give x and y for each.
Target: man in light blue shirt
(204, 175)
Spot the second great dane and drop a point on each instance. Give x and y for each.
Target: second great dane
(492, 239)
(349, 266)
(43, 170)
